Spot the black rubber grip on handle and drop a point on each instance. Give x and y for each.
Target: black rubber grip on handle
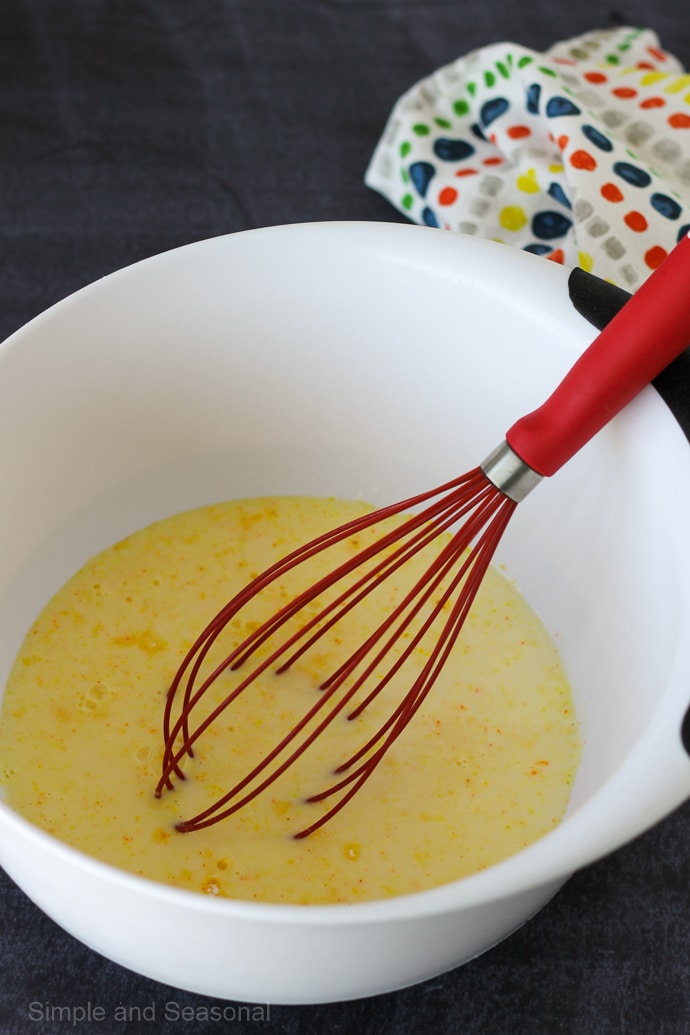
(598, 301)
(594, 298)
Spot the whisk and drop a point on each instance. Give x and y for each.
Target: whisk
(651, 329)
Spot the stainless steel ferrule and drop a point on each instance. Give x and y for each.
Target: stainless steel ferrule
(511, 475)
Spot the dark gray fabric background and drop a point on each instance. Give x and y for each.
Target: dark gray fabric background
(127, 128)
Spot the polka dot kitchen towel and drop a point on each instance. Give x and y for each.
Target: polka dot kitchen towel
(581, 154)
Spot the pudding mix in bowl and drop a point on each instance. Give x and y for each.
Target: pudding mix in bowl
(484, 769)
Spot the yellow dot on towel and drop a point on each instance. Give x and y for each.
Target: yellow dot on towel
(677, 84)
(512, 217)
(586, 261)
(653, 77)
(528, 182)
(557, 167)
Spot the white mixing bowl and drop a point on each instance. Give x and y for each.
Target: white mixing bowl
(350, 360)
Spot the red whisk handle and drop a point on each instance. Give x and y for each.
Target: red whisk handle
(651, 329)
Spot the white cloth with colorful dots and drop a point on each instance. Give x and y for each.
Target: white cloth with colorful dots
(581, 154)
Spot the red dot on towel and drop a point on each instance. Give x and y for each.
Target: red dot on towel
(679, 121)
(517, 132)
(653, 102)
(636, 221)
(596, 77)
(583, 160)
(624, 92)
(611, 192)
(447, 196)
(655, 256)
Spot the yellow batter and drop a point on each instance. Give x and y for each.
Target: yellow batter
(484, 769)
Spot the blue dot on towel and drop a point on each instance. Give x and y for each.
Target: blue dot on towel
(665, 206)
(421, 174)
(493, 109)
(429, 219)
(683, 231)
(550, 225)
(597, 138)
(538, 249)
(556, 106)
(452, 150)
(632, 174)
(533, 95)
(558, 194)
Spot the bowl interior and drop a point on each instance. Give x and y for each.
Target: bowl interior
(356, 361)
